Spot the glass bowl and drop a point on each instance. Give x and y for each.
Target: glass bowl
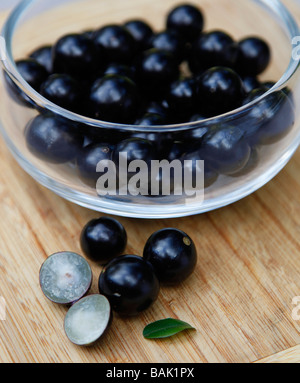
(263, 140)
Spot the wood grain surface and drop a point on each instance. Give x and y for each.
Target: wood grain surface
(239, 299)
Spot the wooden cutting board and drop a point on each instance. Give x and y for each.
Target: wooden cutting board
(239, 299)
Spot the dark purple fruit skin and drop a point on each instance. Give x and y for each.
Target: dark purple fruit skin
(103, 239)
(220, 91)
(64, 91)
(130, 284)
(115, 43)
(150, 119)
(53, 138)
(254, 56)
(135, 149)
(120, 70)
(114, 98)
(250, 83)
(170, 41)
(88, 159)
(225, 150)
(156, 68)
(141, 32)
(173, 255)
(75, 55)
(43, 56)
(187, 20)
(183, 97)
(269, 119)
(161, 143)
(215, 48)
(32, 72)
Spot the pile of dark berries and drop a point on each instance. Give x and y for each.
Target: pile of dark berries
(131, 74)
(117, 72)
(128, 284)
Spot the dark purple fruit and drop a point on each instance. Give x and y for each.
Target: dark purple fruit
(115, 44)
(269, 119)
(156, 68)
(220, 91)
(170, 41)
(134, 149)
(43, 56)
(75, 55)
(120, 70)
(130, 284)
(183, 97)
(215, 48)
(103, 239)
(187, 20)
(114, 98)
(225, 150)
(173, 255)
(53, 139)
(64, 91)
(32, 72)
(254, 56)
(141, 32)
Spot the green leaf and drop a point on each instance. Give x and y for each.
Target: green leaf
(165, 328)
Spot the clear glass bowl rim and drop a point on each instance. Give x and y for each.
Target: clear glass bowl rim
(276, 6)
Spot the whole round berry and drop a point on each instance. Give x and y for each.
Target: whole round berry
(225, 150)
(172, 253)
(141, 32)
(64, 91)
(183, 96)
(270, 118)
(220, 91)
(43, 56)
(32, 72)
(254, 56)
(170, 41)
(53, 138)
(215, 48)
(103, 239)
(130, 284)
(156, 68)
(115, 43)
(187, 20)
(114, 98)
(74, 54)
